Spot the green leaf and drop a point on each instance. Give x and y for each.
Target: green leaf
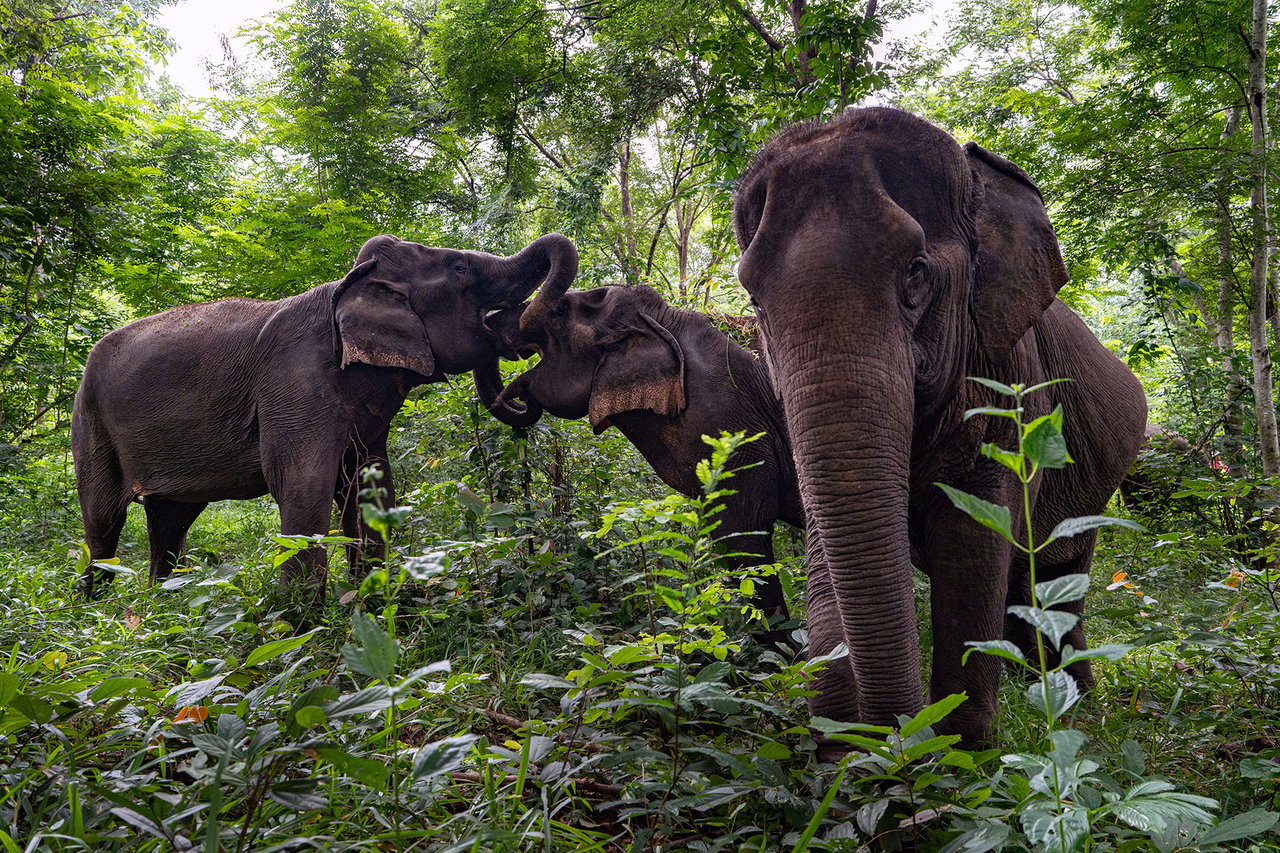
(1056, 830)
(1152, 805)
(9, 686)
(773, 751)
(442, 756)
(1046, 384)
(1109, 651)
(118, 686)
(958, 758)
(376, 652)
(1259, 768)
(1062, 693)
(932, 714)
(1085, 523)
(985, 513)
(1133, 758)
(999, 648)
(994, 411)
(936, 743)
(1054, 624)
(275, 648)
(1043, 442)
(1070, 587)
(546, 681)
(829, 726)
(368, 771)
(310, 716)
(34, 708)
(298, 795)
(994, 385)
(1007, 458)
(371, 700)
(989, 835)
(1248, 825)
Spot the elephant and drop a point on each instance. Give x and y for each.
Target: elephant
(622, 356)
(887, 264)
(1164, 459)
(240, 397)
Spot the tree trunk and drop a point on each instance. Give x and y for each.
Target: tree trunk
(804, 50)
(1259, 346)
(630, 267)
(1224, 334)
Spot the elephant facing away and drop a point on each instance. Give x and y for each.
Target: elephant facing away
(621, 356)
(887, 263)
(240, 397)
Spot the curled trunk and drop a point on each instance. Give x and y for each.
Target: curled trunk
(555, 287)
(503, 403)
(553, 260)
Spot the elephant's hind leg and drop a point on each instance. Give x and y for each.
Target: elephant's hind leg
(167, 525)
(104, 504)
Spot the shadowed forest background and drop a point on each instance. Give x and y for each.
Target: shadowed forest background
(602, 690)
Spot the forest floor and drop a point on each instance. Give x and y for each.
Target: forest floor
(528, 684)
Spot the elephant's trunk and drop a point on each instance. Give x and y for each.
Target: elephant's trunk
(502, 402)
(849, 399)
(554, 288)
(552, 260)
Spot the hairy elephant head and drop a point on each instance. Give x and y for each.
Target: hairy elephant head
(602, 352)
(885, 262)
(423, 308)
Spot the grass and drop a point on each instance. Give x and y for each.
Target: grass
(186, 717)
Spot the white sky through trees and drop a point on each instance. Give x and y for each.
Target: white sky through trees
(197, 26)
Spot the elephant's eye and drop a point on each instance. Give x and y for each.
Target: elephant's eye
(919, 267)
(460, 268)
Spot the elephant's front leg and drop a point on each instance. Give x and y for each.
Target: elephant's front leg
(968, 566)
(369, 548)
(305, 496)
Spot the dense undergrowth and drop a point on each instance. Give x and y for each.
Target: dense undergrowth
(546, 666)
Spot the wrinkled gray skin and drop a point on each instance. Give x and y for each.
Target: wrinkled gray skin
(239, 398)
(887, 263)
(665, 377)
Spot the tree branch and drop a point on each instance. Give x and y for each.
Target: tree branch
(755, 23)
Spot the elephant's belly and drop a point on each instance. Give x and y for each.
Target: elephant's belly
(197, 477)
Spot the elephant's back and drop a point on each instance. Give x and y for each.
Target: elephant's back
(172, 395)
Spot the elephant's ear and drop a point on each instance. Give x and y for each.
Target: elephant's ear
(1018, 268)
(376, 324)
(645, 372)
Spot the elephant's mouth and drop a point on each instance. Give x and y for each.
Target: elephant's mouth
(502, 323)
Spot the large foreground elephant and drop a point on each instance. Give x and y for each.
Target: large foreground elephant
(621, 356)
(887, 264)
(238, 398)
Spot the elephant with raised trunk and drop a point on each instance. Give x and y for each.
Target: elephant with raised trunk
(887, 263)
(240, 397)
(621, 356)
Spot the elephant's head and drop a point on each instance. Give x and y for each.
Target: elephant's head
(886, 262)
(602, 352)
(423, 308)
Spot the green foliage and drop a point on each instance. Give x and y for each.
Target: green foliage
(1069, 798)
